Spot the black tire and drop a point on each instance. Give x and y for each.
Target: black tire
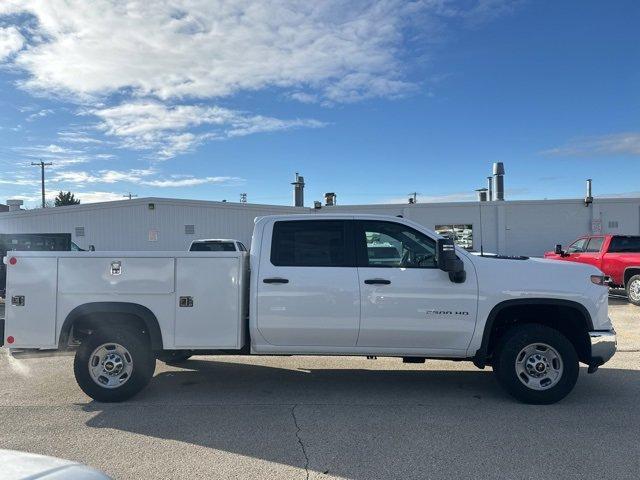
(631, 292)
(174, 357)
(143, 364)
(511, 345)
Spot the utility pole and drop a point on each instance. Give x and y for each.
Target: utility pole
(129, 195)
(41, 164)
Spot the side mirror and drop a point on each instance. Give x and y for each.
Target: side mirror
(558, 250)
(448, 261)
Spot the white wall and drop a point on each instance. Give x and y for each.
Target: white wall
(510, 228)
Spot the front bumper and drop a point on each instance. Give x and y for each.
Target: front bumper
(603, 346)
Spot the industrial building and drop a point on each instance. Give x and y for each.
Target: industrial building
(506, 227)
(491, 224)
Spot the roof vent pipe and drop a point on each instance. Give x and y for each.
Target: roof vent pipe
(298, 191)
(489, 189)
(329, 199)
(14, 205)
(498, 181)
(588, 199)
(482, 194)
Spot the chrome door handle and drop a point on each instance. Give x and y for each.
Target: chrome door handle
(377, 281)
(275, 280)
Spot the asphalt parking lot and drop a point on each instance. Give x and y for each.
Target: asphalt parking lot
(297, 417)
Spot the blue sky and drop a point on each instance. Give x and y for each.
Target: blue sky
(371, 100)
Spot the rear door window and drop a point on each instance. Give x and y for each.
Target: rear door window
(595, 244)
(311, 243)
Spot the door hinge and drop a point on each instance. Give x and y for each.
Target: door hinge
(17, 301)
(186, 302)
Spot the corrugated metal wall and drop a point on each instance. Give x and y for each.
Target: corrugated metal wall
(512, 228)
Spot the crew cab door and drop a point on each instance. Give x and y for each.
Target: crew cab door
(307, 286)
(575, 250)
(592, 254)
(407, 303)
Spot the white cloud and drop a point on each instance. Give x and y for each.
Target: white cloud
(78, 137)
(40, 114)
(626, 143)
(11, 41)
(193, 181)
(139, 177)
(207, 49)
(146, 125)
(154, 55)
(96, 197)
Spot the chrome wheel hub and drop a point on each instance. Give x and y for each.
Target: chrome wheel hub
(539, 366)
(634, 290)
(110, 365)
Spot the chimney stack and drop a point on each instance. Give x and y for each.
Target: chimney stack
(498, 181)
(329, 199)
(298, 191)
(589, 197)
(489, 189)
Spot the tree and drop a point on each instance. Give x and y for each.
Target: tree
(63, 199)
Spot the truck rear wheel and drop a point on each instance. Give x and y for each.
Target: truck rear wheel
(536, 364)
(113, 365)
(633, 290)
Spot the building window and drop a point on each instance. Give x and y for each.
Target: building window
(189, 229)
(461, 234)
(79, 231)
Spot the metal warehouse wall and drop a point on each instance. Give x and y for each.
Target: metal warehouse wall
(520, 227)
(129, 224)
(510, 227)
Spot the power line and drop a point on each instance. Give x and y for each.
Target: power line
(41, 164)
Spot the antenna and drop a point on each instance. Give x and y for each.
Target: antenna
(130, 195)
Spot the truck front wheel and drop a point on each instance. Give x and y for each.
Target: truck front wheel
(113, 365)
(536, 364)
(633, 290)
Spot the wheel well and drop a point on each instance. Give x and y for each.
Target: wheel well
(630, 272)
(568, 320)
(87, 318)
(88, 324)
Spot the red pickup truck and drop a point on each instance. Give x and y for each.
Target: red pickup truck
(618, 256)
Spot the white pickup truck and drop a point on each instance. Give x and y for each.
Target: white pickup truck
(312, 285)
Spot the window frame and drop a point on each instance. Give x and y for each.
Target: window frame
(360, 241)
(591, 239)
(583, 239)
(349, 242)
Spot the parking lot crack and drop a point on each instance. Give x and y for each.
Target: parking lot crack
(300, 442)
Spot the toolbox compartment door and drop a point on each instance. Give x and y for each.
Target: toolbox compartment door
(208, 302)
(116, 275)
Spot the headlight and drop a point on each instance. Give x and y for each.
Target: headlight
(602, 280)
